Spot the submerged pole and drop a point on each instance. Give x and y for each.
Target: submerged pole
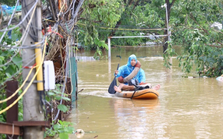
(109, 48)
(167, 24)
(168, 35)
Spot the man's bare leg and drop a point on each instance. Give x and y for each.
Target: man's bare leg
(119, 88)
(157, 87)
(128, 88)
(122, 86)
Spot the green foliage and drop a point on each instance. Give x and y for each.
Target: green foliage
(12, 65)
(201, 45)
(101, 16)
(56, 95)
(20, 105)
(190, 24)
(62, 129)
(189, 21)
(9, 2)
(62, 107)
(44, 2)
(170, 52)
(96, 13)
(6, 55)
(138, 16)
(3, 106)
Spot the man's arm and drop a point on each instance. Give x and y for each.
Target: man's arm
(133, 73)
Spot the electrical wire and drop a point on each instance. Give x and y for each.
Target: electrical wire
(33, 46)
(78, 7)
(60, 12)
(72, 3)
(10, 20)
(73, 8)
(24, 35)
(22, 19)
(67, 50)
(23, 93)
(17, 72)
(22, 83)
(1, 101)
(30, 61)
(67, 57)
(32, 33)
(126, 28)
(22, 46)
(64, 85)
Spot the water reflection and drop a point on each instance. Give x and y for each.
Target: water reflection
(186, 108)
(133, 115)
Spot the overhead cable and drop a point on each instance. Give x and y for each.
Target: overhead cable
(10, 20)
(25, 90)
(24, 35)
(22, 19)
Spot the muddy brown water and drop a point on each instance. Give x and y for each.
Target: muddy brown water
(187, 108)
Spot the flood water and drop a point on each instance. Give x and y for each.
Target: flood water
(187, 108)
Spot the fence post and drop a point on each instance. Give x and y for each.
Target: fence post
(12, 113)
(109, 47)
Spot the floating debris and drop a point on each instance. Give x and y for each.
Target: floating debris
(85, 58)
(79, 133)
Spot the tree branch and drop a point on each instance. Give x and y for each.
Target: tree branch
(192, 17)
(217, 46)
(90, 20)
(52, 9)
(171, 4)
(137, 2)
(120, 21)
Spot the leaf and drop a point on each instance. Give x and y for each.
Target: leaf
(15, 37)
(8, 75)
(11, 69)
(56, 126)
(5, 53)
(50, 93)
(17, 61)
(57, 92)
(70, 129)
(58, 97)
(62, 107)
(65, 98)
(63, 136)
(1, 59)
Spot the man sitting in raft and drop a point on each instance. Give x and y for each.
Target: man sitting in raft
(130, 71)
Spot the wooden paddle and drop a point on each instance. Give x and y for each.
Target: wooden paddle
(111, 89)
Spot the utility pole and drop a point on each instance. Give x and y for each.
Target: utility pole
(31, 100)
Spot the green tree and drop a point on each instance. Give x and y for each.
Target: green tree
(96, 14)
(201, 45)
(140, 15)
(8, 2)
